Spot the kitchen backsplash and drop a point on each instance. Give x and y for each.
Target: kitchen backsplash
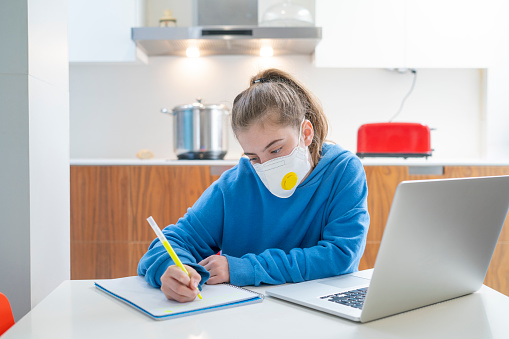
(115, 108)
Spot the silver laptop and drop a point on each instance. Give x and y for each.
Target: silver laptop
(437, 245)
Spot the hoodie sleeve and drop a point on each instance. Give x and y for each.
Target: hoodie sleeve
(339, 250)
(191, 238)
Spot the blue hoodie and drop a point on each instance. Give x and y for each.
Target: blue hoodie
(320, 231)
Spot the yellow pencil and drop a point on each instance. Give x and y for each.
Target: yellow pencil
(168, 247)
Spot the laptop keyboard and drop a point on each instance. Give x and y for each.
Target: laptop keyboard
(353, 298)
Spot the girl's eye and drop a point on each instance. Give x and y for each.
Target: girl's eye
(277, 151)
(253, 159)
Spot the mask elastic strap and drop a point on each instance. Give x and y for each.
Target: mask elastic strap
(300, 131)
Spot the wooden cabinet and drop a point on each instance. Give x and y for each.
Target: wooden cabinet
(110, 204)
(100, 220)
(109, 207)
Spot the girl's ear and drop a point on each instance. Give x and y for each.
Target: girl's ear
(308, 132)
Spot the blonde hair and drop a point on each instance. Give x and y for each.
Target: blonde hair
(277, 96)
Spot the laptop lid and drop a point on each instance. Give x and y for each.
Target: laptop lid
(438, 242)
(437, 245)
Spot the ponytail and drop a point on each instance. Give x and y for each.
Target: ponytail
(276, 95)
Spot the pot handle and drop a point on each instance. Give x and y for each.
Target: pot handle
(165, 111)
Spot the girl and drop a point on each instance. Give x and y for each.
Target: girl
(295, 209)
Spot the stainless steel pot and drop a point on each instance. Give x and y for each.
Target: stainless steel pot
(200, 131)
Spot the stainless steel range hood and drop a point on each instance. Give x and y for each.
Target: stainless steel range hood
(223, 40)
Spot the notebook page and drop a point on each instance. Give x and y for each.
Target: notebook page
(137, 291)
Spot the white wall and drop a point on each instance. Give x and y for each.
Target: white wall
(34, 143)
(115, 108)
(14, 169)
(497, 98)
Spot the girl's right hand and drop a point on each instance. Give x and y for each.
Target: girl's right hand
(177, 285)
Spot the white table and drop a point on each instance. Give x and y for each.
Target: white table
(76, 309)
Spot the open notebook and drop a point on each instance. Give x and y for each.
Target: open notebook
(136, 292)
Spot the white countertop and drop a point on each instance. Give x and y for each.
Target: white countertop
(76, 309)
(432, 162)
(150, 162)
(233, 162)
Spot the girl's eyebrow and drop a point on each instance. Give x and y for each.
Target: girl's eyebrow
(270, 144)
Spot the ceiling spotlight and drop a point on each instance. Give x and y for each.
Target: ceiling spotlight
(192, 52)
(266, 51)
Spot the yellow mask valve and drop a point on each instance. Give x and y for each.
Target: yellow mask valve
(289, 181)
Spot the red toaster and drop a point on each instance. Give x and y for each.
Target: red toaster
(394, 139)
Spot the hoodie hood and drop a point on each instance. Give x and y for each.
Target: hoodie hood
(330, 152)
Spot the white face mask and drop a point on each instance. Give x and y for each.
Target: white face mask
(282, 175)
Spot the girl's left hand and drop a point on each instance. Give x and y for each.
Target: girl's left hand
(217, 266)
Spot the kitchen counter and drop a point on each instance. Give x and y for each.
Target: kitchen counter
(151, 162)
(233, 162)
(432, 162)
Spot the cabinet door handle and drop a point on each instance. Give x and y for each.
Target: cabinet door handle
(425, 170)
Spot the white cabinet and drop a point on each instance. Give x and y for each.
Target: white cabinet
(100, 30)
(449, 33)
(404, 33)
(360, 33)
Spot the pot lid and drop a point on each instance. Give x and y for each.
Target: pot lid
(199, 105)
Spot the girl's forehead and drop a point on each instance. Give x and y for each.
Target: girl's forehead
(260, 134)
(261, 128)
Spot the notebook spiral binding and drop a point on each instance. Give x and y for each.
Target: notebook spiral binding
(261, 295)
